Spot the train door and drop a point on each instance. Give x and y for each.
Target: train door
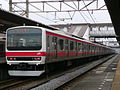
(79, 49)
(2, 51)
(48, 48)
(92, 50)
(72, 49)
(76, 48)
(51, 47)
(67, 47)
(86, 52)
(89, 50)
(61, 48)
(83, 50)
(54, 47)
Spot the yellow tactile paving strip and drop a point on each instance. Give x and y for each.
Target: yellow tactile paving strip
(116, 82)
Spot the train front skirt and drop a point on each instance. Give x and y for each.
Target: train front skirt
(25, 73)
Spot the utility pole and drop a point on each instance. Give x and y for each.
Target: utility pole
(10, 5)
(27, 8)
(23, 12)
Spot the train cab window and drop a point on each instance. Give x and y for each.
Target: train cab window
(61, 44)
(24, 39)
(71, 45)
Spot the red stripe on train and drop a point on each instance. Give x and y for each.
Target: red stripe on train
(26, 54)
(62, 53)
(57, 35)
(72, 53)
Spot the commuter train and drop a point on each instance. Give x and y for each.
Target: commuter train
(30, 49)
(2, 51)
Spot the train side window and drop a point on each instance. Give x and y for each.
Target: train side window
(54, 43)
(71, 45)
(61, 44)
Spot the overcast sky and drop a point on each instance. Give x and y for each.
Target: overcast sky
(98, 16)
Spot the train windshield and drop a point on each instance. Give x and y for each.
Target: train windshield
(24, 39)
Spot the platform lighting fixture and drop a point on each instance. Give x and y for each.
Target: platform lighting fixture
(37, 24)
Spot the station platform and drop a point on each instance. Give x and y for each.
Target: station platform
(104, 77)
(116, 82)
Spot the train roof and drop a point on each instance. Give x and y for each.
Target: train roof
(67, 34)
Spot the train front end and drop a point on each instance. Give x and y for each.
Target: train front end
(25, 51)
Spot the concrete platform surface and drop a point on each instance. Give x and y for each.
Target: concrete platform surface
(100, 78)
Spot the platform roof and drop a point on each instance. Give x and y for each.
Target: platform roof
(8, 19)
(114, 10)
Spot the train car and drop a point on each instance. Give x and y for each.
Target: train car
(29, 49)
(2, 51)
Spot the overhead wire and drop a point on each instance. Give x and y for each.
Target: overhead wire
(79, 12)
(22, 8)
(49, 14)
(89, 12)
(83, 16)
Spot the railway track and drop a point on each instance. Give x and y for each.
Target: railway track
(7, 84)
(51, 81)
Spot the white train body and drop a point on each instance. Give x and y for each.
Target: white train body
(30, 48)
